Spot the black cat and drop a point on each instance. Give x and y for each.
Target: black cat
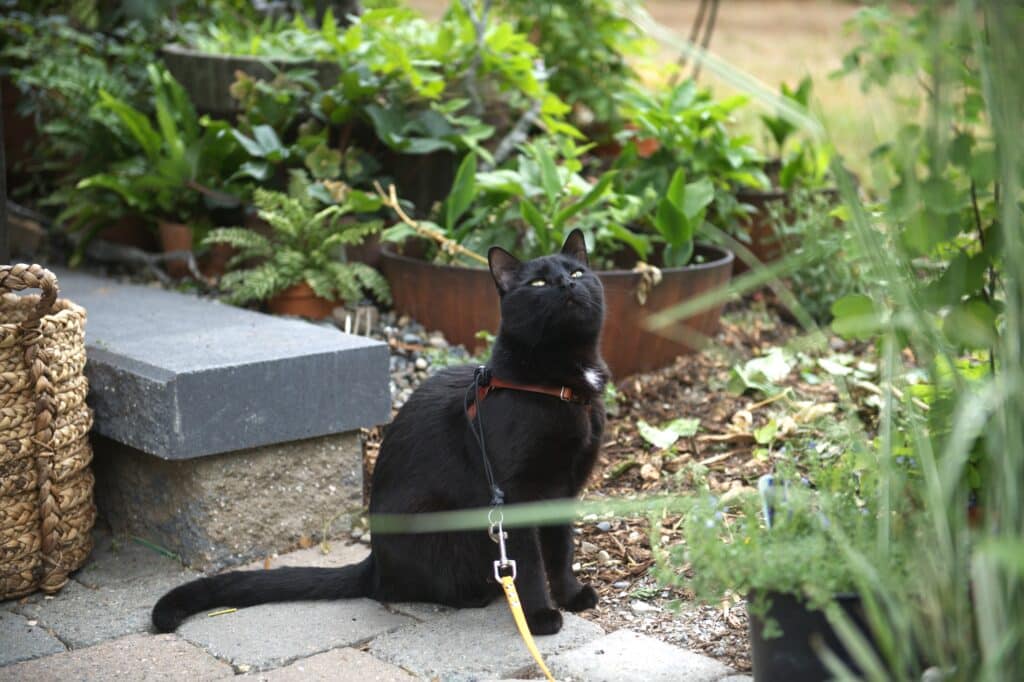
(540, 447)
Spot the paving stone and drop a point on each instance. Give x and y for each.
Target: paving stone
(136, 657)
(271, 635)
(627, 655)
(21, 640)
(177, 376)
(421, 611)
(117, 559)
(338, 554)
(337, 664)
(81, 616)
(475, 643)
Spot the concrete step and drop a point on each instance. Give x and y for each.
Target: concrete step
(180, 377)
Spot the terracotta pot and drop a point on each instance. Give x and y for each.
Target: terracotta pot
(461, 301)
(302, 301)
(130, 231)
(213, 264)
(175, 237)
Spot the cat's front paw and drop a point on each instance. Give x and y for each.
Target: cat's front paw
(584, 598)
(544, 621)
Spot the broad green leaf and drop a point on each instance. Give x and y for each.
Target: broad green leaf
(532, 215)
(586, 201)
(676, 192)
(854, 316)
(671, 223)
(764, 435)
(550, 182)
(139, 127)
(659, 438)
(698, 196)
(267, 139)
(463, 190)
(971, 324)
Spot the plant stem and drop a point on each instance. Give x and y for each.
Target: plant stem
(449, 246)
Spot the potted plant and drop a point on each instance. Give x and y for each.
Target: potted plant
(782, 548)
(798, 165)
(208, 57)
(176, 174)
(683, 126)
(300, 266)
(532, 205)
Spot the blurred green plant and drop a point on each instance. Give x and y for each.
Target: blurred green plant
(587, 46)
(685, 127)
(809, 224)
(177, 169)
(305, 244)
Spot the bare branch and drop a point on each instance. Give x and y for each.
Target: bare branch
(449, 246)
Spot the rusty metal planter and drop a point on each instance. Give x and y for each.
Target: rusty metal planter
(460, 301)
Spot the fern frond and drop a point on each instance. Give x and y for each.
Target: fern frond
(352, 234)
(253, 284)
(253, 243)
(322, 283)
(372, 280)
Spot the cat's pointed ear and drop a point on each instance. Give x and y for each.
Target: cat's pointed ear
(504, 267)
(576, 246)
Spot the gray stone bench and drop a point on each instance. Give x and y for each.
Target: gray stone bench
(223, 434)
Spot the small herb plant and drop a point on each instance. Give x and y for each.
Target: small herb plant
(803, 163)
(177, 167)
(305, 244)
(691, 130)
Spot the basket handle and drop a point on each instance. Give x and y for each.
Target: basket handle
(24, 276)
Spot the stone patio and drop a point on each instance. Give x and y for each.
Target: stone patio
(97, 628)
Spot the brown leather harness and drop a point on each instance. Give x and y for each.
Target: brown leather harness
(563, 393)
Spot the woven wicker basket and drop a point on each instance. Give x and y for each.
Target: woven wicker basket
(46, 486)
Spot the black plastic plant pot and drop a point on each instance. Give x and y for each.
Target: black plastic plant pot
(793, 656)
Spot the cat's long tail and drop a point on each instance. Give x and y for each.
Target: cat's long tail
(248, 588)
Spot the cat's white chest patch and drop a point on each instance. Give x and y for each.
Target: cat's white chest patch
(593, 378)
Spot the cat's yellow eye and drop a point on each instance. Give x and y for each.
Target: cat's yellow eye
(576, 274)
(537, 283)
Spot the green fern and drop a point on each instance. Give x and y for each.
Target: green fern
(304, 245)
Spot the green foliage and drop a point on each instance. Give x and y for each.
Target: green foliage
(273, 37)
(680, 214)
(58, 70)
(531, 205)
(587, 45)
(174, 158)
(808, 227)
(305, 245)
(691, 129)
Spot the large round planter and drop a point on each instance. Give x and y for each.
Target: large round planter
(207, 77)
(300, 300)
(461, 301)
(793, 657)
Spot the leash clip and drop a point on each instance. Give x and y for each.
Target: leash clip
(498, 535)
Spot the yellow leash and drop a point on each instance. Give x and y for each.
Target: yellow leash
(508, 583)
